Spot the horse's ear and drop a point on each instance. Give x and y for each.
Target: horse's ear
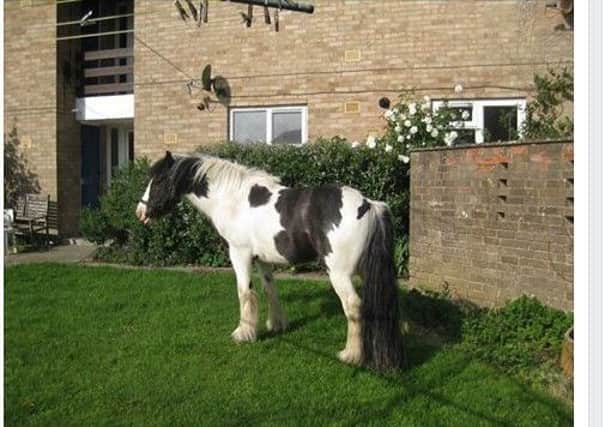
(168, 154)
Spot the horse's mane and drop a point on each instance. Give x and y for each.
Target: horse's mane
(229, 176)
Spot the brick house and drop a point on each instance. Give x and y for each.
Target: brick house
(85, 100)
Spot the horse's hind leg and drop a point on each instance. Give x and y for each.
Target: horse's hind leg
(276, 320)
(351, 304)
(241, 260)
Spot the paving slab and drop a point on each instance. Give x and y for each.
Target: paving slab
(62, 254)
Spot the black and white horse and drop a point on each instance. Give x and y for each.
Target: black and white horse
(267, 223)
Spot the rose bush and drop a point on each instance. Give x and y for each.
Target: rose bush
(416, 124)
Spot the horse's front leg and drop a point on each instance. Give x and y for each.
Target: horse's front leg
(241, 260)
(276, 320)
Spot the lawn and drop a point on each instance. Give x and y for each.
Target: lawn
(87, 346)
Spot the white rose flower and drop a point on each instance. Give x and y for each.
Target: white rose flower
(465, 115)
(355, 144)
(388, 148)
(412, 108)
(407, 123)
(435, 133)
(371, 142)
(400, 138)
(428, 120)
(402, 116)
(404, 159)
(407, 146)
(389, 115)
(408, 137)
(413, 130)
(450, 137)
(429, 127)
(398, 128)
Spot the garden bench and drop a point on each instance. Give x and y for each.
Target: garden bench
(32, 216)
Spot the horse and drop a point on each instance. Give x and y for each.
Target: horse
(266, 223)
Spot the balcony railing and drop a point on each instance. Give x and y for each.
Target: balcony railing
(109, 79)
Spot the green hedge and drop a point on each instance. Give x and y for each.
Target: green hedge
(185, 237)
(519, 336)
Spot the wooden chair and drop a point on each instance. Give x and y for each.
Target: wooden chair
(31, 216)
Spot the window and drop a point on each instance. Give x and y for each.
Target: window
(487, 120)
(119, 150)
(271, 125)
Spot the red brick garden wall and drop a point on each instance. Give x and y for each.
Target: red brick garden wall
(491, 223)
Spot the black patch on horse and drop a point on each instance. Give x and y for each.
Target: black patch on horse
(307, 215)
(172, 179)
(361, 210)
(259, 195)
(183, 178)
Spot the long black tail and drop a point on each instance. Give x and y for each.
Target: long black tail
(382, 338)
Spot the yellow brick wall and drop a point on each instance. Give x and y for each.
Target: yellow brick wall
(347, 51)
(30, 85)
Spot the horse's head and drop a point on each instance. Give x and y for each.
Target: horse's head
(160, 195)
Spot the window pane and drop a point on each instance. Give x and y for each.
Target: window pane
(114, 150)
(465, 113)
(462, 113)
(465, 137)
(500, 123)
(249, 126)
(130, 146)
(287, 127)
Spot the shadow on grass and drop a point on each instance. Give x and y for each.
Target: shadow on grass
(432, 322)
(412, 388)
(325, 298)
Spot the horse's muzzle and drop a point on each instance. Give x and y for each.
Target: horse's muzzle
(141, 213)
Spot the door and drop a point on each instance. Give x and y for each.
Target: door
(91, 166)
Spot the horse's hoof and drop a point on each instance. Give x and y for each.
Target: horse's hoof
(243, 334)
(278, 325)
(350, 357)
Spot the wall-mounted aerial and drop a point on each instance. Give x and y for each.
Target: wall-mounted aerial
(84, 21)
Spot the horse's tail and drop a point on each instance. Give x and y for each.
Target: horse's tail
(381, 334)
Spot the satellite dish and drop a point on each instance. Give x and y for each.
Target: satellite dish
(221, 87)
(207, 81)
(217, 85)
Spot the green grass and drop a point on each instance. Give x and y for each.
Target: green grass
(87, 346)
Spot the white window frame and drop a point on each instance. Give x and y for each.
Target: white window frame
(478, 121)
(268, 117)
